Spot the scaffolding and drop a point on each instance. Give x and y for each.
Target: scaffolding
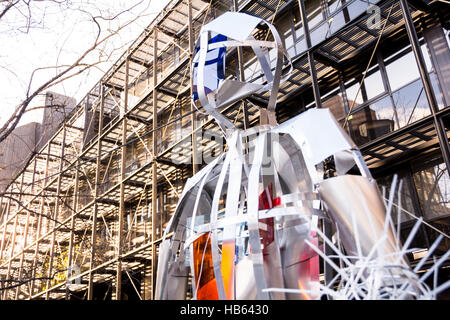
(84, 218)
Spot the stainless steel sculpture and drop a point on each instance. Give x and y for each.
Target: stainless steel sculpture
(247, 225)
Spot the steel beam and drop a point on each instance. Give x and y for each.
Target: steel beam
(5, 226)
(154, 164)
(310, 54)
(123, 154)
(241, 72)
(195, 160)
(72, 227)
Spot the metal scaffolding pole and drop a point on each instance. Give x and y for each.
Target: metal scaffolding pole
(195, 160)
(122, 186)
(426, 81)
(41, 213)
(154, 164)
(5, 227)
(312, 65)
(97, 181)
(2, 211)
(72, 226)
(13, 242)
(14, 235)
(55, 216)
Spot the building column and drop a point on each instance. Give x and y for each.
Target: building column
(122, 187)
(154, 164)
(310, 54)
(72, 226)
(195, 156)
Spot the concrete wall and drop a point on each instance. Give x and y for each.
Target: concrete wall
(15, 151)
(57, 107)
(17, 148)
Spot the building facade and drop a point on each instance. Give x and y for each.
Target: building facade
(84, 218)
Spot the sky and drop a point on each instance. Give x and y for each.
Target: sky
(58, 34)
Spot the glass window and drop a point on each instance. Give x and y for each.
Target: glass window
(289, 43)
(402, 71)
(336, 22)
(372, 87)
(284, 26)
(313, 12)
(319, 33)
(372, 121)
(357, 7)
(411, 103)
(300, 46)
(334, 5)
(354, 97)
(433, 190)
(297, 23)
(406, 85)
(373, 84)
(433, 77)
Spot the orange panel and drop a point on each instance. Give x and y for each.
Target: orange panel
(228, 253)
(203, 268)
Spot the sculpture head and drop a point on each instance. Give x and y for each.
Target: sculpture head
(212, 89)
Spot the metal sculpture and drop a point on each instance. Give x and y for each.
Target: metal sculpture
(247, 225)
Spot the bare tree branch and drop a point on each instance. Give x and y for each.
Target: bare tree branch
(66, 71)
(8, 6)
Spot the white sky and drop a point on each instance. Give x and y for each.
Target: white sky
(59, 35)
